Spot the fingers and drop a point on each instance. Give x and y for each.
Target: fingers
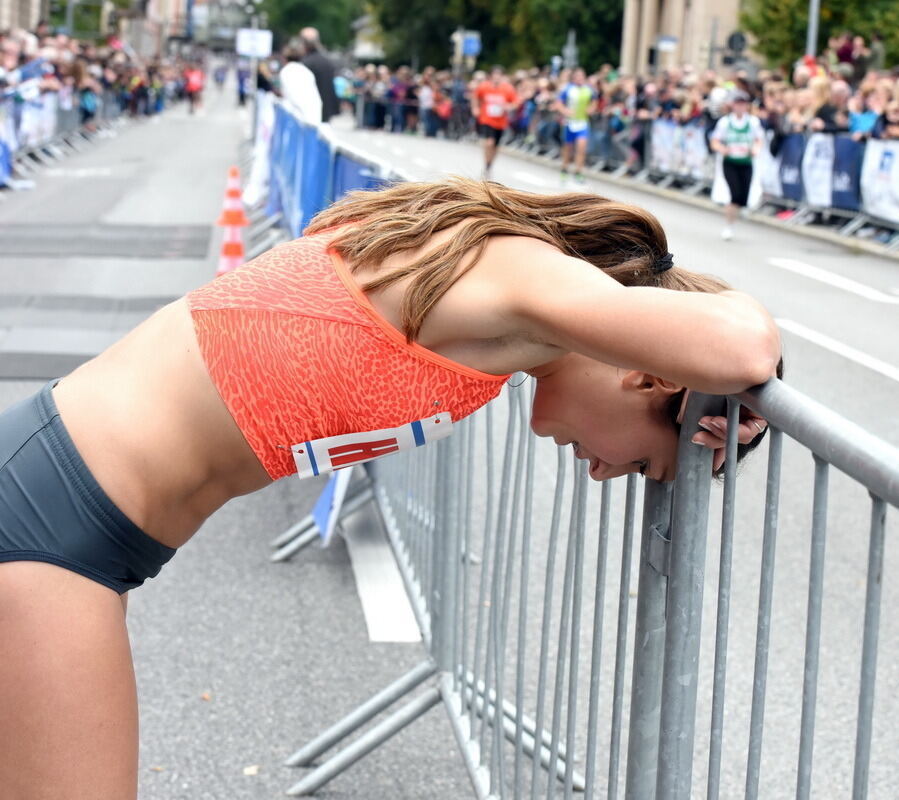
(714, 434)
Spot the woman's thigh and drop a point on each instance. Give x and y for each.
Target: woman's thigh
(68, 703)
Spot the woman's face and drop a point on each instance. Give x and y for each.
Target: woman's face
(615, 418)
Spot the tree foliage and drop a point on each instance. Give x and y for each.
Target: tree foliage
(334, 19)
(513, 32)
(780, 26)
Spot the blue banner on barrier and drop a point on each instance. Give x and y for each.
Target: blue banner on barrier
(847, 173)
(349, 174)
(316, 168)
(5, 164)
(791, 166)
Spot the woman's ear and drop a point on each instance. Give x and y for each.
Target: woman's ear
(634, 380)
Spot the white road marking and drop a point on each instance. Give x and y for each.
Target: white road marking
(526, 177)
(822, 340)
(397, 151)
(78, 172)
(421, 162)
(825, 276)
(388, 614)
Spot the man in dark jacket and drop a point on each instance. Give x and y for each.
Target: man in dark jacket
(320, 66)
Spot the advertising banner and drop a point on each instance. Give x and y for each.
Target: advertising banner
(847, 173)
(880, 179)
(791, 166)
(663, 151)
(817, 169)
(350, 174)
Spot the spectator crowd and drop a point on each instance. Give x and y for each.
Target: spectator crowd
(849, 89)
(84, 75)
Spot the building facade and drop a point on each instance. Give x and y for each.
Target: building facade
(658, 34)
(21, 13)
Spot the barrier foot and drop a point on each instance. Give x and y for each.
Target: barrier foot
(293, 531)
(357, 718)
(306, 531)
(295, 546)
(530, 745)
(374, 738)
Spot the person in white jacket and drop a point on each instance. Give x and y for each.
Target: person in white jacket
(298, 88)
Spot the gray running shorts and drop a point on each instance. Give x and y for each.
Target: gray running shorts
(53, 510)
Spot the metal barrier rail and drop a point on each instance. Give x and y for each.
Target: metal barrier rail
(39, 130)
(540, 701)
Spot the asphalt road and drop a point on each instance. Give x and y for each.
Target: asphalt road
(239, 661)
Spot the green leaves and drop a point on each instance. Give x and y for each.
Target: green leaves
(779, 26)
(515, 33)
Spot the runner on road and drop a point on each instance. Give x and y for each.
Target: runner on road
(576, 102)
(491, 104)
(738, 136)
(410, 305)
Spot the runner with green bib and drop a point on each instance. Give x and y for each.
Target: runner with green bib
(738, 136)
(576, 102)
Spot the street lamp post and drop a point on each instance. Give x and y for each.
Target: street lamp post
(811, 41)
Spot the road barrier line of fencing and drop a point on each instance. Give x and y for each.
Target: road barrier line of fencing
(507, 556)
(38, 128)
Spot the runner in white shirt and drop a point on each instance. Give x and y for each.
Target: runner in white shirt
(738, 136)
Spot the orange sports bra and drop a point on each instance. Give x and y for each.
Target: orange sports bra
(301, 357)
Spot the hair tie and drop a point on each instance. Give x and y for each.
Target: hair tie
(666, 262)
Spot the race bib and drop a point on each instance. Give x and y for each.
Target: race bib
(337, 452)
(577, 125)
(495, 110)
(738, 150)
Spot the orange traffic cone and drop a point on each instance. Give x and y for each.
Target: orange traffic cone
(232, 254)
(232, 211)
(233, 189)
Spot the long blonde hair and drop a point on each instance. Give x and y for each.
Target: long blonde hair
(624, 241)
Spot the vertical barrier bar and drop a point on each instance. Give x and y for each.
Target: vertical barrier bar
(869, 650)
(466, 545)
(516, 412)
(574, 663)
(547, 606)
(443, 563)
(763, 628)
(813, 631)
(621, 645)
(524, 582)
(496, 782)
(561, 653)
(685, 583)
(649, 644)
(485, 572)
(596, 656)
(724, 569)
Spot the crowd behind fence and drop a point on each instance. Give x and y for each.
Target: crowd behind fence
(657, 129)
(521, 576)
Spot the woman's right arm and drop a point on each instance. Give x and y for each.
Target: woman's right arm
(717, 343)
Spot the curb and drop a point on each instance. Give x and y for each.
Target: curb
(856, 246)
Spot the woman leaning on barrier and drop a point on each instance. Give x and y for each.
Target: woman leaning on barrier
(409, 305)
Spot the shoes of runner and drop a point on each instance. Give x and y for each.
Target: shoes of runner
(579, 178)
(727, 233)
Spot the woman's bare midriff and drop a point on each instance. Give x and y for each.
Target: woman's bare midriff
(151, 427)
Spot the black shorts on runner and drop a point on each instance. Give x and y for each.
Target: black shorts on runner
(738, 177)
(53, 510)
(489, 132)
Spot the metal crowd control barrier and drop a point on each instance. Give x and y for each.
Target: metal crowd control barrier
(41, 129)
(505, 551)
